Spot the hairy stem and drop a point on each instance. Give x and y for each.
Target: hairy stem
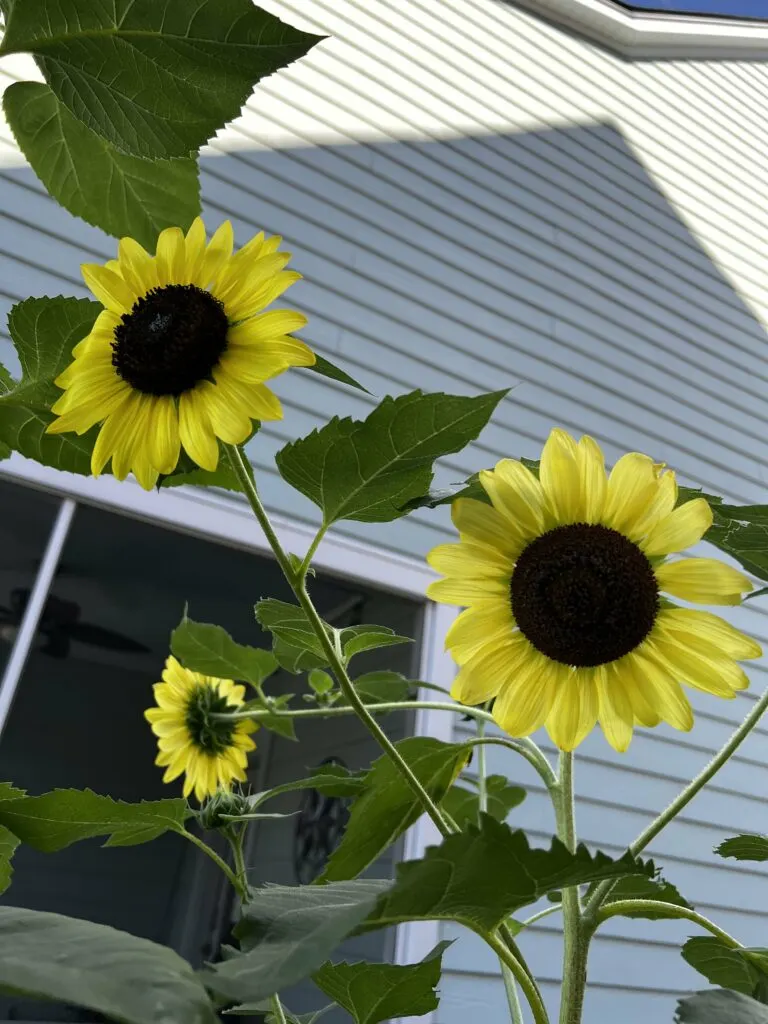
(237, 885)
(623, 907)
(576, 942)
(684, 797)
(277, 1010)
(523, 978)
(336, 663)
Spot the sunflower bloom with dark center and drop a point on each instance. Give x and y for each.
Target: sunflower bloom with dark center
(212, 753)
(562, 580)
(180, 354)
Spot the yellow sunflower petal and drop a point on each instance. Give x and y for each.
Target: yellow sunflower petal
(163, 438)
(703, 581)
(632, 485)
(111, 433)
(194, 251)
(477, 626)
(561, 478)
(110, 289)
(265, 326)
(517, 494)
(218, 252)
(594, 484)
(137, 267)
(719, 676)
(196, 431)
(616, 711)
(127, 431)
(574, 711)
(663, 692)
(681, 529)
(477, 521)
(525, 700)
(466, 592)
(171, 257)
(484, 674)
(470, 559)
(711, 629)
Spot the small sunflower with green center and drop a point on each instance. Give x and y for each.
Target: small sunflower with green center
(211, 753)
(561, 578)
(181, 352)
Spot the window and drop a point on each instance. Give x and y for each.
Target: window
(666, 29)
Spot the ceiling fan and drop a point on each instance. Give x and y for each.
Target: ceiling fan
(59, 625)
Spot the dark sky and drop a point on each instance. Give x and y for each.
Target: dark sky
(734, 8)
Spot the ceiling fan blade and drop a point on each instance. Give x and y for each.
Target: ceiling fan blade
(97, 636)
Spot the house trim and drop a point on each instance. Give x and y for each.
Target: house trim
(645, 35)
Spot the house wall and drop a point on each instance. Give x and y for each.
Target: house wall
(477, 198)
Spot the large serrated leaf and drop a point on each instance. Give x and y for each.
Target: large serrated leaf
(368, 470)
(8, 844)
(121, 194)
(479, 877)
(209, 649)
(371, 993)
(387, 806)
(64, 816)
(155, 78)
(287, 932)
(744, 847)
(44, 332)
(720, 1007)
(93, 966)
(295, 644)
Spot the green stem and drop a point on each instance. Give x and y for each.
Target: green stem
(482, 787)
(298, 586)
(576, 943)
(242, 891)
(237, 842)
(684, 797)
(525, 747)
(307, 561)
(277, 1010)
(513, 999)
(554, 909)
(623, 907)
(523, 978)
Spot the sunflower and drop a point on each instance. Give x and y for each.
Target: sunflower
(180, 353)
(562, 580)
(212, 753)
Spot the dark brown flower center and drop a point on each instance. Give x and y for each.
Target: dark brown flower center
(584, 595)
(209, 734)
(171, 339)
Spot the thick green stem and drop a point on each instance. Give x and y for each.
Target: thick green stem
(684, 797)
(626, 907)
(513, 999)
(482, 767)
(237, 885)
(277, 1010)
(576, 942)
(336, 663)
(237, 841)
(525, 747)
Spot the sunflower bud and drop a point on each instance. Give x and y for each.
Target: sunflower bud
(222, 803)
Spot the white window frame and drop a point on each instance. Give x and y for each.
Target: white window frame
(644, 35)
(211, 516)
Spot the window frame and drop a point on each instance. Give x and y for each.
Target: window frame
(646, 35)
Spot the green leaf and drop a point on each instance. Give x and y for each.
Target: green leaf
(287, 932)
(320, 682)
(329, 779)
(744, 847)
(264, 1009)
(327, 369)
(636, 887)
(721, 965)
(65, 816)
(8, 844)
(44, 332)
(121, 194)
(371, 993)
(356, 639)
(99, 968)
(367, 470)
(155, 78)
(387, 806)
(717, 1006)
(463, 804)
(7, 383)
(481, 876)
(382, 687)
(212, 651)
(295, 645)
